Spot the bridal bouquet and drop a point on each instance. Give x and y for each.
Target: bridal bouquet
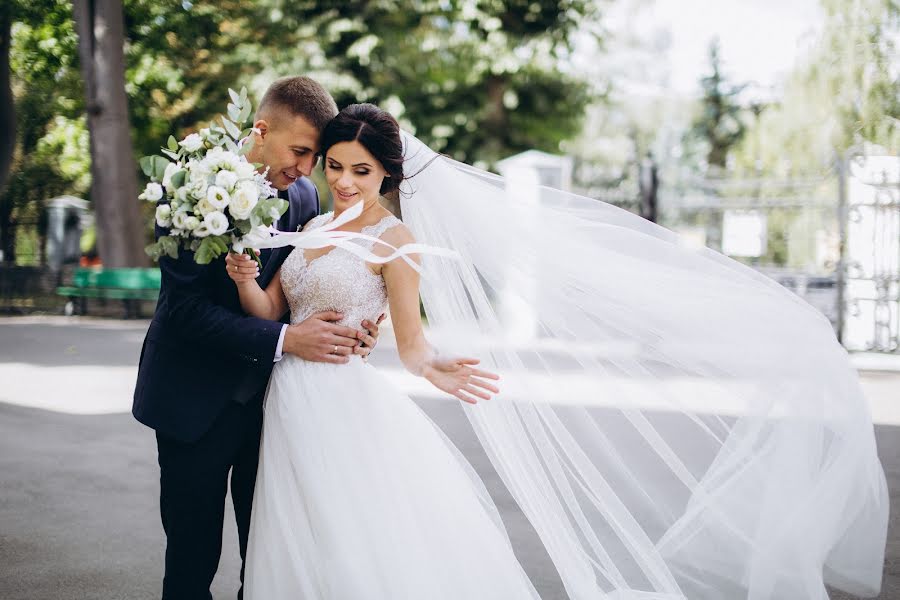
(209, 197)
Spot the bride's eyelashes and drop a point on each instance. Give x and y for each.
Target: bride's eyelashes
(338, 167)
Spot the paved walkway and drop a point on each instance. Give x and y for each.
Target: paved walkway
(78, 476)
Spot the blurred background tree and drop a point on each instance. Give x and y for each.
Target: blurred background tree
(844, 93)
(477, 80)
(46, 144)
(719, 124)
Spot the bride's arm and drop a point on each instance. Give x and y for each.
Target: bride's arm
(268, 303)
(456, 376)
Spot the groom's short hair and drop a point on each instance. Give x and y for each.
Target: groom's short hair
(299, 97)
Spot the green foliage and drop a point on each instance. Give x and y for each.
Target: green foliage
(164, 246)
(476, 80)
(719, 125)
(844, 93)
(51, 151)
(211, 248)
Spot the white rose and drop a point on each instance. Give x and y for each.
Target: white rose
(226, 179)
(218, 197)
(191, 223)
(244, 200)
(203, 207)
(192, 143)
(163, 215)
(245, 170)
(171, 168)
(216, 222)
(152, 192)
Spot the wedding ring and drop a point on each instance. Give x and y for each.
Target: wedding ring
(335, 350)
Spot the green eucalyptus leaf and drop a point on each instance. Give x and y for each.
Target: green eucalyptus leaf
(247, 146)
(169, 246)
(153, 251)
(231, 128)
(235, 97)
(204, 253)
(146, 163)
(172, 143)
(243, 226)
(245, 113)
(178, 178)
(159, 167)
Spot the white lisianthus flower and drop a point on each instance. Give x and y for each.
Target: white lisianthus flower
(244, 200)
(216, 222)
(191, 223)
(152, 192)
(205, 133)
(218, 197)
(171, 168)
(230, 161)
(178, 220)
(192, 143)
(202, 231)
(226, 179)
(203, 207)
(163, 215)
(181, 194)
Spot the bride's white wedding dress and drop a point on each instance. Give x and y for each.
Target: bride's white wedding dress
(358, 494)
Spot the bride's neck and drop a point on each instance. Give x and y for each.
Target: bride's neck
(370, 209)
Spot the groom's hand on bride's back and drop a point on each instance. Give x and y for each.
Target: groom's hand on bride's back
(320, 339)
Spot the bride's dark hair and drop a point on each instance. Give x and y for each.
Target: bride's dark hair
(377, 131)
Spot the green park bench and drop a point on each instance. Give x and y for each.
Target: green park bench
(131, 286)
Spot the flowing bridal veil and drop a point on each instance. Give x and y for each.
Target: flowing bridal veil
(673, 424)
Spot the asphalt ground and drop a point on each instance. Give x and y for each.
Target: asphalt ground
(79, 479)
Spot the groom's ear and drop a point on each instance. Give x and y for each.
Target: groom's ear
(262, 130)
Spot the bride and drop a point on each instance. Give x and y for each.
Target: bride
(672, 424)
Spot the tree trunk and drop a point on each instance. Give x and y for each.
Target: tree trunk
(114, 186)
(7, 106)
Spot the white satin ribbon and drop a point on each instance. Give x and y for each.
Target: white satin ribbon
(325, 236)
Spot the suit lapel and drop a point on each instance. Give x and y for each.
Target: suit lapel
(270, 257)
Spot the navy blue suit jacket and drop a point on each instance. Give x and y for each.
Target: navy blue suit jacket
(201, 351)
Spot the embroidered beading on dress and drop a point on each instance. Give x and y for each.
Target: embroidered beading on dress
(336, 280)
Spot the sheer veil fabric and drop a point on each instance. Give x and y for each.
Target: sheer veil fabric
(673, 424)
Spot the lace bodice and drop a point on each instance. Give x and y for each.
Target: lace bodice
(336, 280)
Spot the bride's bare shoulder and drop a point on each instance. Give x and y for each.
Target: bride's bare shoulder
(397, 233)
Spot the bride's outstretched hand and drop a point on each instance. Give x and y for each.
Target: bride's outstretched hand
(458, 377)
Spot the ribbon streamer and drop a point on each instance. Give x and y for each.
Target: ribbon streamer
(327, 235)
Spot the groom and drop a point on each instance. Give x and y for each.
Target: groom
(204, 365)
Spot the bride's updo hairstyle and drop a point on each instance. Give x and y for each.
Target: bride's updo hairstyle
(377, 131)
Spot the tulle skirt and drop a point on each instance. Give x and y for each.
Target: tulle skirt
(359, 495)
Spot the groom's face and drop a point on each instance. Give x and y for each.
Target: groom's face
(289, 146)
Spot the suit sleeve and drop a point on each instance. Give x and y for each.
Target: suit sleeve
(190, 311)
